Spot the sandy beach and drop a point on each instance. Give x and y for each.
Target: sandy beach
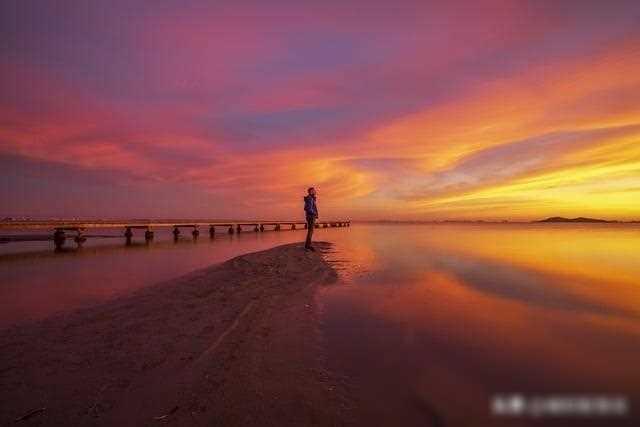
(233, 344)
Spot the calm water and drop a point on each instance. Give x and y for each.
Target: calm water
(429, 322)
(37, 282)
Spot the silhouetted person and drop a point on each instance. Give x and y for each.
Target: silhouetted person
(311, 212)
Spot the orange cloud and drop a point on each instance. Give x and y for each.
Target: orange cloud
(253, 105)
(594, 99)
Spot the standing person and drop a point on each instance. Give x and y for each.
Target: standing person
(311, 212)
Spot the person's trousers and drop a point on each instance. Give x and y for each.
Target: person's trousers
(311, 222)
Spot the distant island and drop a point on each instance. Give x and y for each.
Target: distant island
(579, 219)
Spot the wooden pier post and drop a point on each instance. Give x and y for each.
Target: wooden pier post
(79, 238)
(128, 234)
(59, 238)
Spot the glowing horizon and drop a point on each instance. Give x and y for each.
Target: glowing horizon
(393, 110)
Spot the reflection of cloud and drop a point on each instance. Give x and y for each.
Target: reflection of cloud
(571, 260)
(465, 324)
(531, 287)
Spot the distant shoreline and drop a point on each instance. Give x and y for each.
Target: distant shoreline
(579, 219)
(9, 221)
(481, 221)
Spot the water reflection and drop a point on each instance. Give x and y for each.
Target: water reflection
(38, 282)
(438, 319)
(428, 322)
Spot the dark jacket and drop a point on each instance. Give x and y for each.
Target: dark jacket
(310, 208)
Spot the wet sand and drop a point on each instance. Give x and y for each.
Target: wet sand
(237, 343)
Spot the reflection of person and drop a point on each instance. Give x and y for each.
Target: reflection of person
(311, 212)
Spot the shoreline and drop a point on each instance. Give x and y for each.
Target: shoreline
(236, 343)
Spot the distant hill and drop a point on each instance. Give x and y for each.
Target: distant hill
(579, 219)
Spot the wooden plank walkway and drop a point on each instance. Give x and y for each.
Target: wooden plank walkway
(60, 228)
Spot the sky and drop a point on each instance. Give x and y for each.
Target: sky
(407, 110)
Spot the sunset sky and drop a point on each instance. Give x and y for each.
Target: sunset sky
(392, 109)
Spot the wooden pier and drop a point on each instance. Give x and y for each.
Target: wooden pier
(75, 229)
